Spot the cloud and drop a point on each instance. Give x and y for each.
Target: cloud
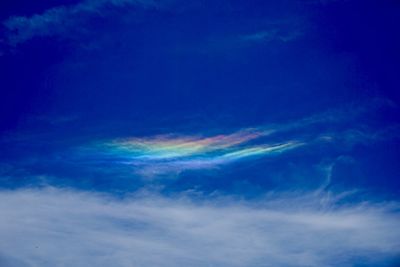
(349, 113)
(63, 20)
(272, 35)
(163, 154)
(55, 227)
(169, 154)
(279, 30)
(173, 153)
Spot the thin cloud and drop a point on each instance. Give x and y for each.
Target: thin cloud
(55, 227)
(351, 112)
(165, 154)
(272, 35)
(173, 153)
(62, 20)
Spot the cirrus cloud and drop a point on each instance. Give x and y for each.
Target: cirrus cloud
(66, 19)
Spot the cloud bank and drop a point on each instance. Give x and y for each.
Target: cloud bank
(56, 227)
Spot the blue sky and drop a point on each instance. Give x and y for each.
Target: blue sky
(199, 133)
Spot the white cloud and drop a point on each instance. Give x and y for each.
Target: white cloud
(55, 227)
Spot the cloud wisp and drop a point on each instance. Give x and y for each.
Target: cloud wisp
(62, 20)
(55, 227)
(169, 154)
(271, 35)
(151, 156)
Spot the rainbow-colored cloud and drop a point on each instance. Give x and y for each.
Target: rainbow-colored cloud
(171, 153)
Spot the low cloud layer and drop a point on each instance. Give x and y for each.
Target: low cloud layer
(55, 227)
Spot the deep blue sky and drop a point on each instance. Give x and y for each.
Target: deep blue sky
(78, 77)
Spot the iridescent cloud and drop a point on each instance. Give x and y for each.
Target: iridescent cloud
(163, 154)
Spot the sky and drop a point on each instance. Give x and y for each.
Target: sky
(199, 133)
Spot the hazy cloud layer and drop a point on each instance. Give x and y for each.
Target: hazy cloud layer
(54, 227)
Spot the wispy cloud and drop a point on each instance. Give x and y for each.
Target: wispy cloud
(173, 153)
(169, 153)
(63, 20)
(350, 113)
(163, 154)
(278, 30)
(54, 227)
(272, 35)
